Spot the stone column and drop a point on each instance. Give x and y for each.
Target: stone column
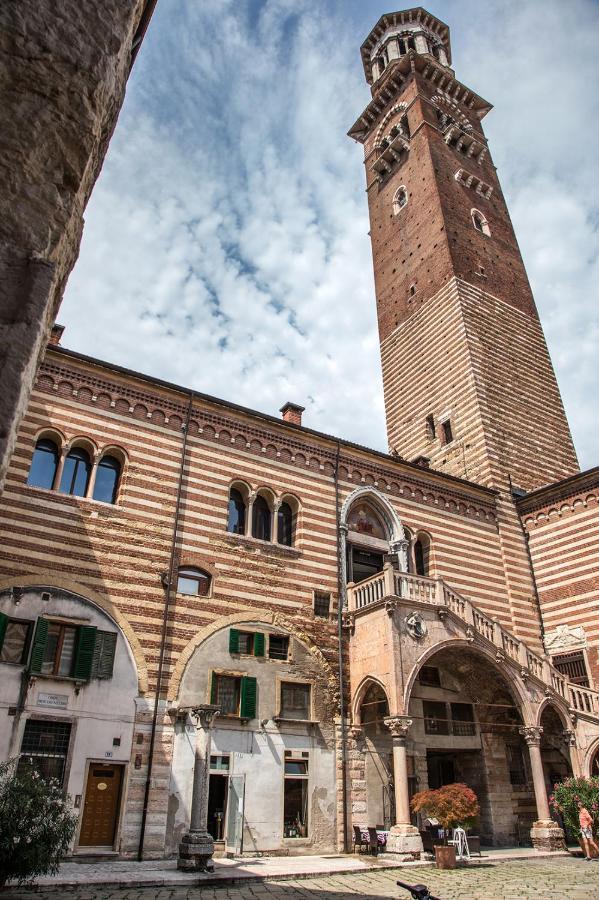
(545, 833)
(403, 837)
(197, 846)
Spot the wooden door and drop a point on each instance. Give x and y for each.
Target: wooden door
(101, 807)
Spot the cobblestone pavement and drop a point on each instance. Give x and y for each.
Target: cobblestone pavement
(541, 879)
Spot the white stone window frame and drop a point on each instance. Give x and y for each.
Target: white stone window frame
(474, 182)
(485, 227)
(401, 191)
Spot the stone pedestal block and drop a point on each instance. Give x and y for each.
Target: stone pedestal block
(195, 852)
(404, 840)
(547, 835)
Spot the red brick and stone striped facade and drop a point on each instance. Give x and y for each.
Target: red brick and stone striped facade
(456, 580)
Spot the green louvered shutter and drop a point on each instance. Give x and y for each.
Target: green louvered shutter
(3, 624)
(233, 641)
(104, 650)
(84, 654)
(38, 646)
(213, 688)
(248, 697)
(258, 644)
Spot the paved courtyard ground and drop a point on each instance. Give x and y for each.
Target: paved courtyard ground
(561, 878)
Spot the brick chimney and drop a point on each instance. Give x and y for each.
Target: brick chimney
(55, 335)
(291, 412)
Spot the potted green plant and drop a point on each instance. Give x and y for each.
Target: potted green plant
(36, 824)
(567, 798)
(453, 806)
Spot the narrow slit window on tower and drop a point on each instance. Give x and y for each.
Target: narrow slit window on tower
(430, 426)
(412, 290)
(447, 431)
(402, 46)
(411, 44)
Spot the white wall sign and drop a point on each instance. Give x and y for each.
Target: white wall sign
(55, 701)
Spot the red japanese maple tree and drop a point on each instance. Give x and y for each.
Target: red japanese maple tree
(452, 805)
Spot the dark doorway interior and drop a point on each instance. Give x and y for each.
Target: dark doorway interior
(441, 769)
(362, 564)
(217, 805)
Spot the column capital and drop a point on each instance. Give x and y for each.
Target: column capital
(531, 734)
(399, 727)
(205, 714)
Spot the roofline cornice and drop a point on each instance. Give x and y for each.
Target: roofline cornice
(558, 490)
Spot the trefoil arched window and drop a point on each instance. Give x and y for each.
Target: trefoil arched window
(261, 519)
(285, 525)
(236, 514)
(107, 479)
(75, 473)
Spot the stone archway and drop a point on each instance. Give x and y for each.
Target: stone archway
(371, 528)
(372, 713)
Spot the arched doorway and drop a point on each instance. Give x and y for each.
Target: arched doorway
(378, 773)
(466, 728)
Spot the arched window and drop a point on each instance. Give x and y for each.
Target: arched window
(400, 199)
(236, 517)
(75, 473)
(261, 519)
(43, 464)
(480, 223)
(285, 525)
(194, 582)
(422, 555)
(374, 707)
(107, 479)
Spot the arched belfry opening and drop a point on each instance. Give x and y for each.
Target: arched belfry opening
(370, 531)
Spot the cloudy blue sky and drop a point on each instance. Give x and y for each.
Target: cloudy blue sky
(226, 241)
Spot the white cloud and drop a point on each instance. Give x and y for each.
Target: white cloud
(226, 242)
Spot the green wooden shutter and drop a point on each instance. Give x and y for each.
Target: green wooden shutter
(39, 645)
(3, 624)
(233, 641)
(104, 650)
(213, 688)
(84, 653)
(258, 644)
(248, 697)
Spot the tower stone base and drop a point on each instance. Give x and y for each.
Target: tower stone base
(547, 835)
(404, 840)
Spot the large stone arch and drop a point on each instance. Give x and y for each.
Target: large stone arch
(51, 580)
(561, 709)
(526, 706)
(259, 617)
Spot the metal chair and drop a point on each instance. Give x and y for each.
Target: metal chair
(373, 842)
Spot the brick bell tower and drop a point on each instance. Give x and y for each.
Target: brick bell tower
(467, 377)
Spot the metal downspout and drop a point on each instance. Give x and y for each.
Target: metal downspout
(165, 615)
(340, 608)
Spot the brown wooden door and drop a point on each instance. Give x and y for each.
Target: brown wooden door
(101, 807)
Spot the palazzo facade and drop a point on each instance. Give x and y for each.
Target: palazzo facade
(368, 624)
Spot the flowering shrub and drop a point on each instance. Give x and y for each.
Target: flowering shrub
(36, 825)
(569, 793)
(452, 805)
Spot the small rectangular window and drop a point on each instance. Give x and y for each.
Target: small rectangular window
(447, 432)
(246, 643)
(322, 604)
(462, 719)
(295, 700)
(429, 676)
(278, 646)
(227, 693)
(44, 748)
(430, 426)
(219, 763)
(15, 645)
(295, 798)
(573, 666)
(435, 717)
